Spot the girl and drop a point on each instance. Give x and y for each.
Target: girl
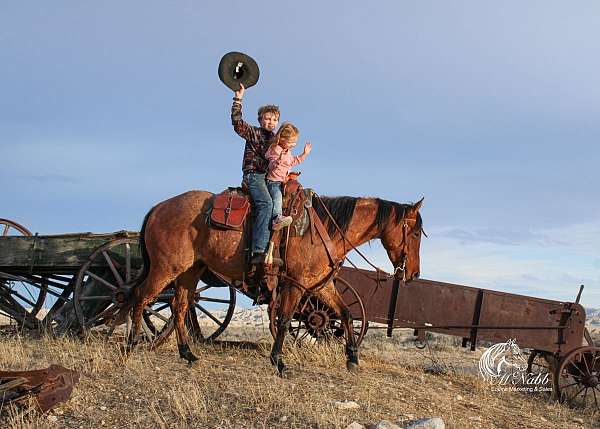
(281, 160)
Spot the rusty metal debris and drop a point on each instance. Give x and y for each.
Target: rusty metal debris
(47, 386)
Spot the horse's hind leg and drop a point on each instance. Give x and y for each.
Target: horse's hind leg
(330, 296)
(184, 296)
(155, 282)
(289, 299)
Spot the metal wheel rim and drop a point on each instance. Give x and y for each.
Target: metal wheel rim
(34, 302)
(78, 295)
(194, 328)
(571, 375)
(300, 331)
(12, 224)
(191, 320)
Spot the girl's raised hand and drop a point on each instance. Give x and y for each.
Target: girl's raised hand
(307, 148)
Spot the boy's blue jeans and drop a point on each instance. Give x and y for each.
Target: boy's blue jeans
(276, 196)
(262, 209)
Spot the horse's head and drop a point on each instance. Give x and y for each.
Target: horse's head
(402, 241)
(515, 355)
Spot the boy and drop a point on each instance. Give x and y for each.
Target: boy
(254, 167)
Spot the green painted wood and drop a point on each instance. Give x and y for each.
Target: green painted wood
(57, 253)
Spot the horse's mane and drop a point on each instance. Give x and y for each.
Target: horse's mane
(342, 209)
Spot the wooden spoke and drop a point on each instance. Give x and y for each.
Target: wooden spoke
(222, 301)
(157, 314)
(572, 364)
(101, 280)
(202, 289)
(575, 378)
(316, 320)
(90, 322)
(96, 298)
(21, 297)
(162, 307)
(575, 395)
(114, 271)
(210, 316)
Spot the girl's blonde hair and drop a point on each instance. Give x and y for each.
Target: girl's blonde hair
(286, 131)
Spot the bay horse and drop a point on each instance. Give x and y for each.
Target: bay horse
(178, 244)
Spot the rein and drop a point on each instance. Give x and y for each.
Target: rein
(378, 270)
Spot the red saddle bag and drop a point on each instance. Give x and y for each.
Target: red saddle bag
(229, 210)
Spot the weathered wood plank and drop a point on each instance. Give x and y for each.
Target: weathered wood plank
(55, 252)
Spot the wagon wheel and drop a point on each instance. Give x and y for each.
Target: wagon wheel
(315, 320)
(542, 363)
(576, 380)
(6, 226)
(21, 298)
(213, 309)
(214, 305)
(101, 288)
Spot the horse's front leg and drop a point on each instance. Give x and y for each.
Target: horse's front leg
(330, 296)
(289, 299)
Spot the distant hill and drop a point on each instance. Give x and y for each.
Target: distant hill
(592, 316)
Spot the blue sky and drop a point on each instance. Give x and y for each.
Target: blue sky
(487, 109)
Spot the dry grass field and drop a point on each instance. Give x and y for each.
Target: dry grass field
(234, 386)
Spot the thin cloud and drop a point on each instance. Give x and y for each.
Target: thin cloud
(56, 178)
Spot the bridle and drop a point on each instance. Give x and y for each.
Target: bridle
(401, 266)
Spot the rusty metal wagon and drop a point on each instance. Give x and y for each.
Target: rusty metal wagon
(76, 282)
(553, 331)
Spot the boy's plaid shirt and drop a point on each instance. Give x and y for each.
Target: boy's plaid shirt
(257, 141)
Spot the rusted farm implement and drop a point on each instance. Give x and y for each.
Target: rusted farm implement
(90, 272)
(553, 331)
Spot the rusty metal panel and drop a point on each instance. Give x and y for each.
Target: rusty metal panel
(453, 309)
(376, 300)
(422, 302)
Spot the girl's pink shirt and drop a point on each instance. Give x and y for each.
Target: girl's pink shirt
(281, 162)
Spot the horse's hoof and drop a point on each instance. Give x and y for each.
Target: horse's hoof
(352, 367)
(284, 372)
(125, 350)
(193, 363)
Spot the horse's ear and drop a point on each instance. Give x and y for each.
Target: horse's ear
(418, 204)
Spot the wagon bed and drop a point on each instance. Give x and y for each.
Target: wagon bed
(62, 253)
(474, 314)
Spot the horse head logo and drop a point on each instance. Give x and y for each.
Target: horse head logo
(501, 359)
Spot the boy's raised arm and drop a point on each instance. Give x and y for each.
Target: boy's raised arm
(244, 130)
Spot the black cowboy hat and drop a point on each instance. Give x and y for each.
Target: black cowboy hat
(236, 68)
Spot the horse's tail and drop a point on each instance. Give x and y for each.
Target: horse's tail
(144, 252)
(137, 283)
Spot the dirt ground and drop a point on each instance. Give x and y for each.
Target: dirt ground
(235, 386)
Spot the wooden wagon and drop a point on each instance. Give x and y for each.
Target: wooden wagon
(76, 282)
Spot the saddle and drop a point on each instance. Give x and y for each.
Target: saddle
(229, 209)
